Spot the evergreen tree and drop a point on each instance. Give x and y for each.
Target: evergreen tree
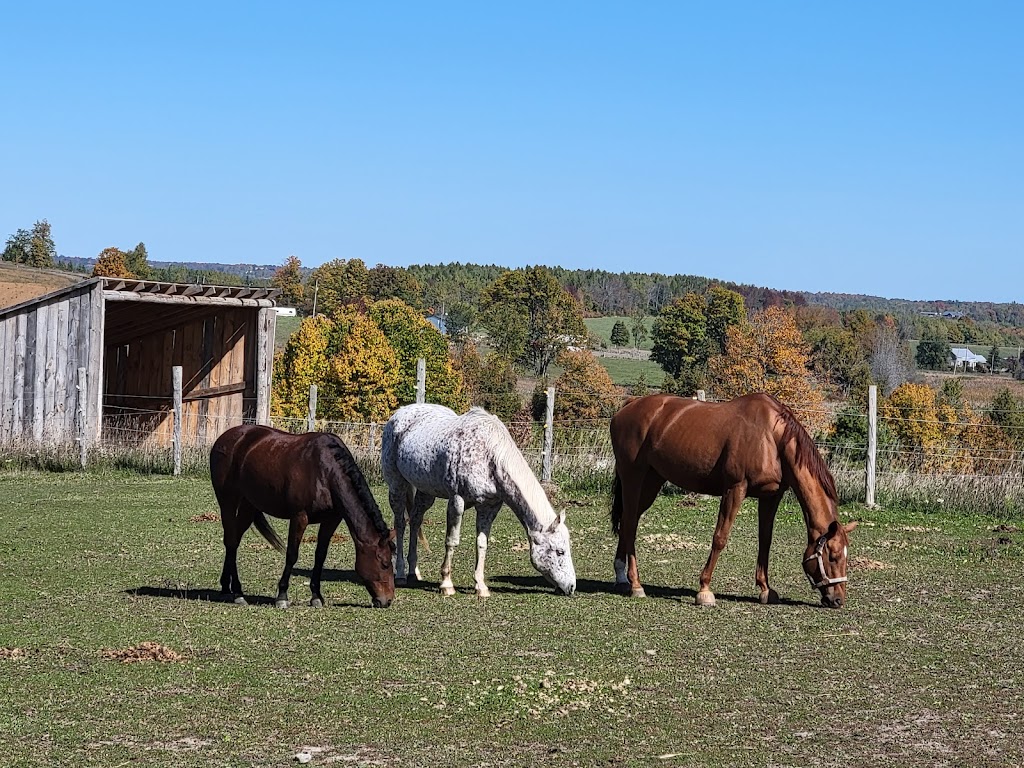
(620, 334)
(638, 327)
(137, 262)
(994, 361)
(41, 251)
(18, 247)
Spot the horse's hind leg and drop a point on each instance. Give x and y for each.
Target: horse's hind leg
(730, 505)
(485, 515)
(420, 505)
(400, 499)
(456, 506)
(766, 509)
(235, 518)
(295, 530)
(637, 497)
(323, 541)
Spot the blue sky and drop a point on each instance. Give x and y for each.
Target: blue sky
(859, 147)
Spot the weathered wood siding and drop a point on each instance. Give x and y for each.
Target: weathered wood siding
(215, 351)
(42, 344)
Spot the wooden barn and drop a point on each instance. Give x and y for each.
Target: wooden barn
(127, 335)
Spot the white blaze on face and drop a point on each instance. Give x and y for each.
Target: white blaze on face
(551, 555)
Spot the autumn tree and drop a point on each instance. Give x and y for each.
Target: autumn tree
(412, 337)
(768, 355)
(530, 317)
(288, 280)
(365, 371)
(638, 328)
(584, 390)
(305, 360)
(837, 360)
(111, 263)
(337, 283)
(383, 282)
(137, 262)
(620, 334)
(890, 357)
(497, 389)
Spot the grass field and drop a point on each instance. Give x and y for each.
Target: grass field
(602, 328)
(923, 668)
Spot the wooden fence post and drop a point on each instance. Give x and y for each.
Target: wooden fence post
(421, 380)
(311, 417)
(549, 437)
(176, 383)
(83, 443)
(869, 474)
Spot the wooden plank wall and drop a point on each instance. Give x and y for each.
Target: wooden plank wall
(41, 348)
(213, 351)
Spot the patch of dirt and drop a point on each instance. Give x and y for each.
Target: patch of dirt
(916, 529)
(206, 517)
(668, 542)
(13, 653)
(1005, 528)
(866, 564)
(18, 283)
(145, 651)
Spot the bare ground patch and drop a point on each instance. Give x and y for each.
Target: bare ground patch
(144, 651)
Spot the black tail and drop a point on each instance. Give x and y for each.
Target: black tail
(268, 533)
(616, 503)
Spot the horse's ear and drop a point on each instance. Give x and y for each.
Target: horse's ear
(833, 529)
(557, 522)
(850, 526)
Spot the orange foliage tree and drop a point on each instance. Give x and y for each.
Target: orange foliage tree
(584, 390)
(769, 355)
(111, 263)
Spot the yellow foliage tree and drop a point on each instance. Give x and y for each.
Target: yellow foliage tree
(365, 372)
(305, 360)
(111, 263)
(769, 355)
(584, 390)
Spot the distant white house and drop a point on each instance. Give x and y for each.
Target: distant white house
(961, 358)
(285, 311)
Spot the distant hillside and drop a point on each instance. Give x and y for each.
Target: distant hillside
(255, 273)
(19, 283)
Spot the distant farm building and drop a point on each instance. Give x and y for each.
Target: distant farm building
(962, 359)
(285, 311)
(126, 335)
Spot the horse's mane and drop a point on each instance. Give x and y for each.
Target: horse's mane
(508, 456)
(347, 463)
(807, 454)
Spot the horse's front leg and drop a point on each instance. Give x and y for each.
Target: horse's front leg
(485, 515)
(323, 541)
(421, 503)
(727, 509)
(456, 506)
(766, 509)
(295, 530)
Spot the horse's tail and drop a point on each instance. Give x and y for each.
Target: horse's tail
(616, 503)
(263, 526)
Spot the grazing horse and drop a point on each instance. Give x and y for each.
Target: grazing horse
(430, 452)
(750, 446)
(311, 478)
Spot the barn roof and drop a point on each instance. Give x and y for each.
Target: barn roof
(964, 355)
(182, 294)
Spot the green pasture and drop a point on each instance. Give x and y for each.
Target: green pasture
(602, 328)
(625, 371)
(923, 668)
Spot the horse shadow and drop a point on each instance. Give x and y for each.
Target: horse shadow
(523, 584)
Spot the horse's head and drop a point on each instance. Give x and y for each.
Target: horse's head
(374, 566)
(551, 555)
(825, 564)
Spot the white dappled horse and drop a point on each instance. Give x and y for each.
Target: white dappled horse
(430, 452)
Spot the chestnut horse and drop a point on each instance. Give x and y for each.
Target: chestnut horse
(750, 446)
(312, 478)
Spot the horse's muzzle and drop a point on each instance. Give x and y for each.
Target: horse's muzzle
(832, 602)
(381, 602)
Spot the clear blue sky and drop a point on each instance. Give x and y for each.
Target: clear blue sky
(851, 147)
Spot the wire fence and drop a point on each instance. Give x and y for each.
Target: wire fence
(974, 464)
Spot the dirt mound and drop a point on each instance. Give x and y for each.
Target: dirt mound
(206, 517)
(147, 651)
(12, 653)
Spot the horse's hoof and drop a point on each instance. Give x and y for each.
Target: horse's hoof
(638, 592)
(400, 581)
(447, 590)
(484, 592)
(705, 599)
(282, 604)
(239, 601)
(769, 597)
(316, 602)
(622, 587)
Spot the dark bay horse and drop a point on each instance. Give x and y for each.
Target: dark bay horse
(751, 446)
(312, 478)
